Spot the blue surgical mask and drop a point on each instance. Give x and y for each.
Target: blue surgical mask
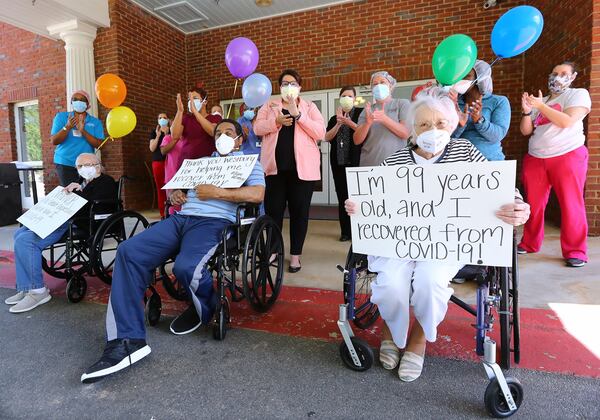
(197, 102)
(163, 122)
(381, 91)
(79, 106)
(249, 114)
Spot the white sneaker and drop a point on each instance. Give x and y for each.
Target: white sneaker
(31, 301)
(13, 300)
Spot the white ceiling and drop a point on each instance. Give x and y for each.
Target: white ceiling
(36, 16)
(190, 16)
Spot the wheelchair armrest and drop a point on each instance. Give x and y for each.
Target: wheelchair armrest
(118, 205)
(250, 211)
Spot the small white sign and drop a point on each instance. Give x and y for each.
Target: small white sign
(52, 211)
(222, 172)
(436, 212)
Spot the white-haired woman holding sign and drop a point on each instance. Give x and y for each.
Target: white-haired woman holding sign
(402, 283)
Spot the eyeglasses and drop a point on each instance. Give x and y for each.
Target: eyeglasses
(294, 84)
(428, 125)
(87, 165)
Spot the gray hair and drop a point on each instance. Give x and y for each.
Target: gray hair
(93, 156)
(483, 75)
(386, 75)
(436, 99)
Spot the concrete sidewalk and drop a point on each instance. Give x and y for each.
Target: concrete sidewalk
(249, 375)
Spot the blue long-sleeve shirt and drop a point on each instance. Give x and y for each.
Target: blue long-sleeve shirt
(487, 135)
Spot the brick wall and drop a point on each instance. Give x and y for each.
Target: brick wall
(31, 67)
(149, 56)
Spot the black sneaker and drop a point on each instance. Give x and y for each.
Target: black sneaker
(345, 238)
(521, 251)
(575, 262)
(187, 322)
(118, 354)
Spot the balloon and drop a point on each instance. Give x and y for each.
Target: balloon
(454, 58)
(516, 31)
(256, 90)
(241, 57)
(110, 90)
(120, 121)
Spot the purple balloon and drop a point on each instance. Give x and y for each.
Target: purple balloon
(241, 57)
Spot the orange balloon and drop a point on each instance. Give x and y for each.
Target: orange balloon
(110, 90)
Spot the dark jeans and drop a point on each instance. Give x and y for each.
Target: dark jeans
(66, 174)
(283, 189)
(341, 190)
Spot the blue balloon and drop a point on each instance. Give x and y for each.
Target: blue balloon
(256, 90)
(516, 31)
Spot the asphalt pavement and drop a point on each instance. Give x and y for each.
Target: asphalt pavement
(250, 375)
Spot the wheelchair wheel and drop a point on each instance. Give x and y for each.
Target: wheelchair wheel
(494, 398)
(53, 260)
(114, 230)
(365, 312)
(174, 288)
(221, 320)
(153, 308)
(262, 277)
(76, 288)
(363, 351)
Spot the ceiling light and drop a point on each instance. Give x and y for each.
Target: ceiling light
(263, 3)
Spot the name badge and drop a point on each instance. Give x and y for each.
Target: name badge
(76, 133)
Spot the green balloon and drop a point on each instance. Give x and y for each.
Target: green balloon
(453, 59)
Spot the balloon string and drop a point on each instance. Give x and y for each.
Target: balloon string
(232, 98)
(495, 61)
(105, 140)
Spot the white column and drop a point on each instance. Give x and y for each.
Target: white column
(79, 44)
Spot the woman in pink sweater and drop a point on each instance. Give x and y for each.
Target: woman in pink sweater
(290, 128)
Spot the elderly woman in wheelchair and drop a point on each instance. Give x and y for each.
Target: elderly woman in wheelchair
(31, 291)
(197, 235)
(423, 284)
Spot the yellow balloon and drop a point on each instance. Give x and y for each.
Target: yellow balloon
(120, 121)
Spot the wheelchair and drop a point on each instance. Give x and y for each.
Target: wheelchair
(497, 297)
(248, 264)
(89, 245)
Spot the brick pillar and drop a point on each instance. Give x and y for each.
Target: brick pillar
(592, 194)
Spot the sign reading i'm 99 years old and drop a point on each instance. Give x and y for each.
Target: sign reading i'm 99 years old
(52, 211)
(222, 172)
(443, 212)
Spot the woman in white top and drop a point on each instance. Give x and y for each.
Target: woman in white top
(423, 285)
(558, 159)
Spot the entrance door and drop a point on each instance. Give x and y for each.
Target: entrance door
(29, 148)
(321, 191)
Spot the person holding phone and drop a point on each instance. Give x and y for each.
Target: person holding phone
(73, 133)
(158, 159)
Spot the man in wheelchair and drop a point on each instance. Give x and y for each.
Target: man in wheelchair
(194, 234)
(31, 292)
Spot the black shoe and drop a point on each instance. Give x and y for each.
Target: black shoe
(521, 251)
(345, 238)
(293, 269)
(575, 262)
(188, 321)
(118, 354)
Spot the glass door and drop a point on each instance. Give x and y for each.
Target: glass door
(321, 191)
(29, 149)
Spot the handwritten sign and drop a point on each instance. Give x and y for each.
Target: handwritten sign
(51, 212)
(223, 172)
(443, 212)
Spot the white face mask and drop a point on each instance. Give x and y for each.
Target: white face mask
(347, 102)
(197, 102)
(217, 113)
(433, 141)
(289, 90)
(462, 86)
(87, 172)
(225, 144)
